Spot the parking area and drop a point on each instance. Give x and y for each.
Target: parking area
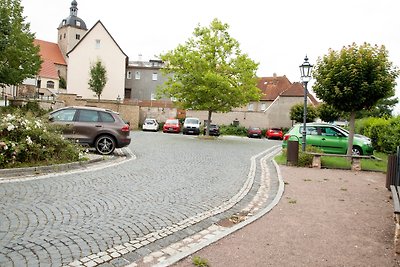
(66, 217)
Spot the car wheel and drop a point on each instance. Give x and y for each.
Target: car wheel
(357, 151)
(105, 144)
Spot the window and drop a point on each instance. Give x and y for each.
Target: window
(310, 130)
(50, 84)
(64, 115)
(97, 43)
(88, 116)
(263, 106)
(60, 36)
(153, 96)
(106, 117)
(78, 23)
(328, 131)
(250, 107)
(129, 75)
(78, 37)
(65, 35)
(128, 92)
(154, 77)
(137, 75)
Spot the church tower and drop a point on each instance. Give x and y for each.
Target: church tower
(71, 30)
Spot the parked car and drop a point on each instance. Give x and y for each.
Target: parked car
(254, 132)
(100, 128)
(275, 133)
(150, 125)
(191, 126)
(172, 126)
(214, 130)
(329, 138)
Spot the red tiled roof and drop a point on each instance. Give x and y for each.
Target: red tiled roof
(51, 55)
(297, 89)
(272, 87)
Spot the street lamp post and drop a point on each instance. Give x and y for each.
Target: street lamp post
(305, 71)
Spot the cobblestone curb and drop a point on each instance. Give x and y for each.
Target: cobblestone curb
(40, 170)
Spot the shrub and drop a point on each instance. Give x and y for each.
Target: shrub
(28, 141)
(305, 160)
(389, 136)
(233, 130)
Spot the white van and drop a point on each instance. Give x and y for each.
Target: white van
(191, 126)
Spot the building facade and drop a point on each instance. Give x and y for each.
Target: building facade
(142, 80)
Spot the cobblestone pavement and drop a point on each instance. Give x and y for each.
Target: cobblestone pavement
(175, 189)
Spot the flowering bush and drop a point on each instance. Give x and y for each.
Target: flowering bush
(29, 142)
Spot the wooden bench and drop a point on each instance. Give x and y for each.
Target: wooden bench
(396, 203)
(355, 159)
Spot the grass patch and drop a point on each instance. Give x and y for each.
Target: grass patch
(200, 262)
(280, 159)
(344, 163)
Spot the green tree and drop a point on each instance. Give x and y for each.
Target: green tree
(19, 57)
(297, 113)
(354, 78)
(63, 83)
(210, 72)
(383, 109)
(328, 113)
(98, 78)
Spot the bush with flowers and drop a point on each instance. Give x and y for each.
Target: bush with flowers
(28, 141)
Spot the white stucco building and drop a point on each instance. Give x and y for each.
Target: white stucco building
(97, 44)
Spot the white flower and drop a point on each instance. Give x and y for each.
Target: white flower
(10, 127)
(29, 140)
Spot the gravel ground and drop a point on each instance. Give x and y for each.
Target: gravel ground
(325, 218)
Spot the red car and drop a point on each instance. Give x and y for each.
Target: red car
(254, 132)
(172, 126)
(275, 133)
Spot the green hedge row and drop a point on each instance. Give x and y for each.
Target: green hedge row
(384, 133)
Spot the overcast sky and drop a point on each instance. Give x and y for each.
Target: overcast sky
(276, 34)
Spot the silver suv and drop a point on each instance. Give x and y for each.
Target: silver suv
(100, 128)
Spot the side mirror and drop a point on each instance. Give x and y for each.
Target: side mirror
(51, 118)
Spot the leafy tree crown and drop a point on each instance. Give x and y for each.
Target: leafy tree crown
(209, 72)
(355, 77)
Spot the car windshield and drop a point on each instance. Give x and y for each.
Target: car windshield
(192, 121)
(171, 122)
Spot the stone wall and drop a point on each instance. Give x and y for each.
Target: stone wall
(276, 115)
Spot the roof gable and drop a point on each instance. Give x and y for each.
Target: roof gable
(272, 87)
(297, 90)
(97, 24)
(50, 53)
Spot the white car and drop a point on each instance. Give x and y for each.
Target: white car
(150, 125)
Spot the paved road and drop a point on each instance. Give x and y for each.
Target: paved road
(115, 215)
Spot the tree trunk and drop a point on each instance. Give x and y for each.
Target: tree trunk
(98, 98)
(351, 133)
(208, 123)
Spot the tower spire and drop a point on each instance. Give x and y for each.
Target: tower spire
(74, 8)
